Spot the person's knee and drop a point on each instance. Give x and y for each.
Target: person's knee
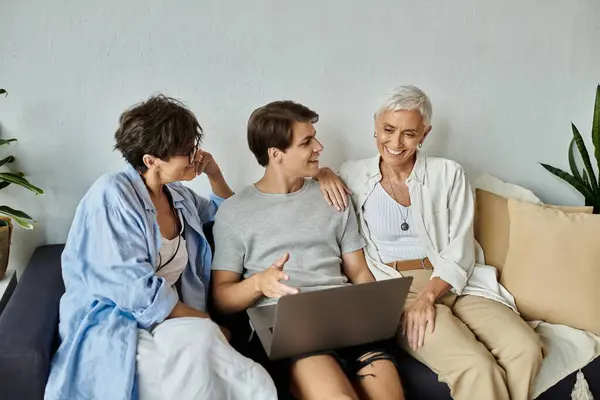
(331, 393)
(199, 326)
(342, 396)
(528, 350)
(185, 334)
(375, 363)
(482, 364)
(377, 368)
(320, 377)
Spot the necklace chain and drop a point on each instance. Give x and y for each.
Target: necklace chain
(404, 218)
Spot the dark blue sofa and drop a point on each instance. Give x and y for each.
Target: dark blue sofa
(29, 327)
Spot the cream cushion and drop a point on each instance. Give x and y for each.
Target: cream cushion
(492, 225)
(552, 265)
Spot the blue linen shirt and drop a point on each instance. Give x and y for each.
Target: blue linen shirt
(108, 269)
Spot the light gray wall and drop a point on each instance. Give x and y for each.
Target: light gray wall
(505, 77)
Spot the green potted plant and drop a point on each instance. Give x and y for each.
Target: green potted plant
(7, 214)
(585, 181)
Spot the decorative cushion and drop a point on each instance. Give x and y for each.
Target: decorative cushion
(552, 266)
(492, 224)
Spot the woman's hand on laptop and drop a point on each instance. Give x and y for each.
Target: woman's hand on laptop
(269, 281)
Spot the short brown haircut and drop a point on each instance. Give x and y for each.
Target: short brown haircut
(271, 126)
(160, 126)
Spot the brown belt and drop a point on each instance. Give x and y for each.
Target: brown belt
(408, 265)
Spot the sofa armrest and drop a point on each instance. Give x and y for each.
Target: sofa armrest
(9, 284)
(28, 327)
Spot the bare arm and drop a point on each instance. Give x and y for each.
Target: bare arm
(435, 288)
(354, 266)
(232, 294)
(219, 186)
(333, 188)
(207, 164)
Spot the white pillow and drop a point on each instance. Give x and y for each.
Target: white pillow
(509, 190)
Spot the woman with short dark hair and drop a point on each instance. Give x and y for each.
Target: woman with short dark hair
(136, 268)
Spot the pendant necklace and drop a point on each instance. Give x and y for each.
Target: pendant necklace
(404, 225)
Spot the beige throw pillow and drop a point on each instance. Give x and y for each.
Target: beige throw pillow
(552, 266)
(492, 224)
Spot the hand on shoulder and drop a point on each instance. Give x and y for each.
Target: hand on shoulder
(333, 188)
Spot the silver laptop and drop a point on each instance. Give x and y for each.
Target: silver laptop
(330, 319)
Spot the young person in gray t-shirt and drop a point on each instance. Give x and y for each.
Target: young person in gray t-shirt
(281, 230)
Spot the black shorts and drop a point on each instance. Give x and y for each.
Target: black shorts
(354, 359)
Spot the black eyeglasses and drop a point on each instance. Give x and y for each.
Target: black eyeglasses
(191, 155)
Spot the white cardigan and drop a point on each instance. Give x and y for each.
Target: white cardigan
(442, 212)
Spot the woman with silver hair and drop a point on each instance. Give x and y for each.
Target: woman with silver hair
(416, 214)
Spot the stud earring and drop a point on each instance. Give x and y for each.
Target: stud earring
(375, 135)
(420, 145)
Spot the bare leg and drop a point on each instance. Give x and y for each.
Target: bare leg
(378, 379)
(320, 377)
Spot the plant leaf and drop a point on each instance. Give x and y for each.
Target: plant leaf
(6, 160)
(585, 157)
(596, 127)
(4, 184)
(24, 220)
(6, 210)
(6, 141)
(570, 179)
(19, 180)
(585, 177)
(572, 162)
(4, 92)
(24, 223)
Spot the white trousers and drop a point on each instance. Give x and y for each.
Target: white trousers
(190, 359)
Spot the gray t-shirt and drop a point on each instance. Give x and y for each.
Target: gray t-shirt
(253, 229)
